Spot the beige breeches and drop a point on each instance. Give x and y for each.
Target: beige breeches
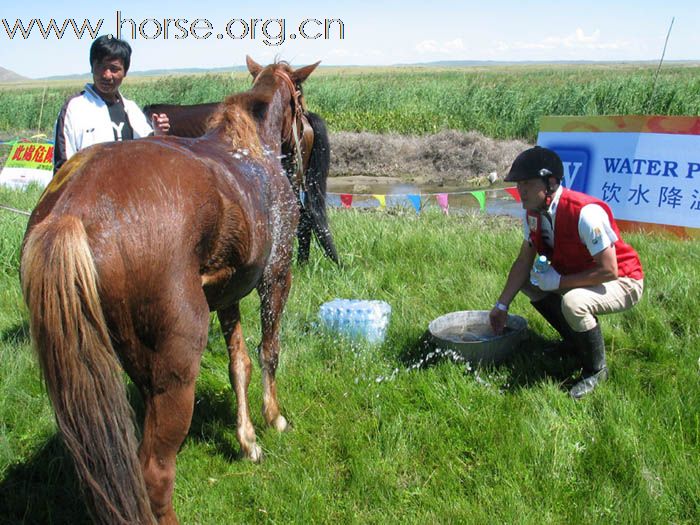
(581, 305)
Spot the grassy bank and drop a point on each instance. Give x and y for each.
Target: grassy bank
(505, 102)
(377, 440)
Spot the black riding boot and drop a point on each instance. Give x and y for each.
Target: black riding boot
(550, 309)
(592, 348)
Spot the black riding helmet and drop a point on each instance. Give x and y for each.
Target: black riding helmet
(535, 163)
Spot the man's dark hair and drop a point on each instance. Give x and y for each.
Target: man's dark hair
(108, 47)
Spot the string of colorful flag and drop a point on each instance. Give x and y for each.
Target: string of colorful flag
(417, 200)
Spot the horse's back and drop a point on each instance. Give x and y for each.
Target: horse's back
(158, 208)
(135, 188)
(185, 121)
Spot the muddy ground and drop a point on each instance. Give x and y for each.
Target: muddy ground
(448, 158)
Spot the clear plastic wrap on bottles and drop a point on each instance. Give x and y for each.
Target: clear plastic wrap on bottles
(355, 318)
(541, 265)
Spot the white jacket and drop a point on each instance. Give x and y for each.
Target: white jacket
(84, 120)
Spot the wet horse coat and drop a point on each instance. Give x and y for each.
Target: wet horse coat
(312, 139)
(129, 248)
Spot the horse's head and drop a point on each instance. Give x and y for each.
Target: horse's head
(288, 82)
(269, 116)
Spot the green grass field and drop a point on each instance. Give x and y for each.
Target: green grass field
(500, 102)
(376, 439)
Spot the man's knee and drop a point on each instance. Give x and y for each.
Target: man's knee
(576, 312)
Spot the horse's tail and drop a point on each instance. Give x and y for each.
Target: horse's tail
(315, 179)
(82, 374)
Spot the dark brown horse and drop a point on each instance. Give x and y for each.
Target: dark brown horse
(314, 156)
(129, 248)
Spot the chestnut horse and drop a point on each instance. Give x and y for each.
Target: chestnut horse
(129, 248)
(312, 140)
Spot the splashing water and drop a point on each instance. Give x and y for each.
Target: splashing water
(428, 358)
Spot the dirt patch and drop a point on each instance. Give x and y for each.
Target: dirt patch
(445, 158)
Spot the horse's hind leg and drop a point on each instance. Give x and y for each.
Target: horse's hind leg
(239, 374)
(273, 296)
(168, 396)
(168, 417)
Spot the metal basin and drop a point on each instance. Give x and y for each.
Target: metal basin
(469, 334)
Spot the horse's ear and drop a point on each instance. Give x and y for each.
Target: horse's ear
(253, 66)
(303, 73)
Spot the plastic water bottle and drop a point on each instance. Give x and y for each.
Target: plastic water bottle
(541, 265)
(355, 318)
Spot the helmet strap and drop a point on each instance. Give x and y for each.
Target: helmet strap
(549, 192)
(548, 201)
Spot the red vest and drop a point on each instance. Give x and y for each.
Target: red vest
(569, 254)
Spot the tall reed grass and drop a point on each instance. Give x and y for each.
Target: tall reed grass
(498, 102)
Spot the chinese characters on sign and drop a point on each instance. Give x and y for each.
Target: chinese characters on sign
(639, 196)
(31, 155)
(28, 162)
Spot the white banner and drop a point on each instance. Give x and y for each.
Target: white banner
(645, 172)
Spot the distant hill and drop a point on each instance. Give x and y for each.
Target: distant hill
(486, 63)
(444, 63)
(10, 76)
(156, 72)
(188, 71)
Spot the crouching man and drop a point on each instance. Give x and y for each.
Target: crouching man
(592, 271)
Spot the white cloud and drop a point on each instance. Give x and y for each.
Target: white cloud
(447, 47)
(343, 53)
(576, 40)
(427, 46)
(347, 53)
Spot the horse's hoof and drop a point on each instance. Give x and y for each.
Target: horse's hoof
(254, 454)
(280, 424)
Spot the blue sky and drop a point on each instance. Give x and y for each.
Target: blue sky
(375, 33)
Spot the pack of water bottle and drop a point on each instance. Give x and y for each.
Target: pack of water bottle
(540, 266)
(356, 318)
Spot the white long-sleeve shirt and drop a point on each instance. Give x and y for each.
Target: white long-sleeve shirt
(84, 120)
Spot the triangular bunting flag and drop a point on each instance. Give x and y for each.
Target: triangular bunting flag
(481, 197)
(333, 199)
(415, 200)
(442, 201)
(346, 199)
(381, 199)
(513, 192)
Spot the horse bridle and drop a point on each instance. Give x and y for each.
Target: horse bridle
(297, 126)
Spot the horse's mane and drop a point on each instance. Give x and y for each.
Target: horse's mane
(238, 122)
(241, 113)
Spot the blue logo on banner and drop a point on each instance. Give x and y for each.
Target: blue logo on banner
(576, 167)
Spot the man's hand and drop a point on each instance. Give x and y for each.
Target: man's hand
(498, 318)
(160, 123)
(548, 280)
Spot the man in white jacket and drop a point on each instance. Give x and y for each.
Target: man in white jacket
(100, 113)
